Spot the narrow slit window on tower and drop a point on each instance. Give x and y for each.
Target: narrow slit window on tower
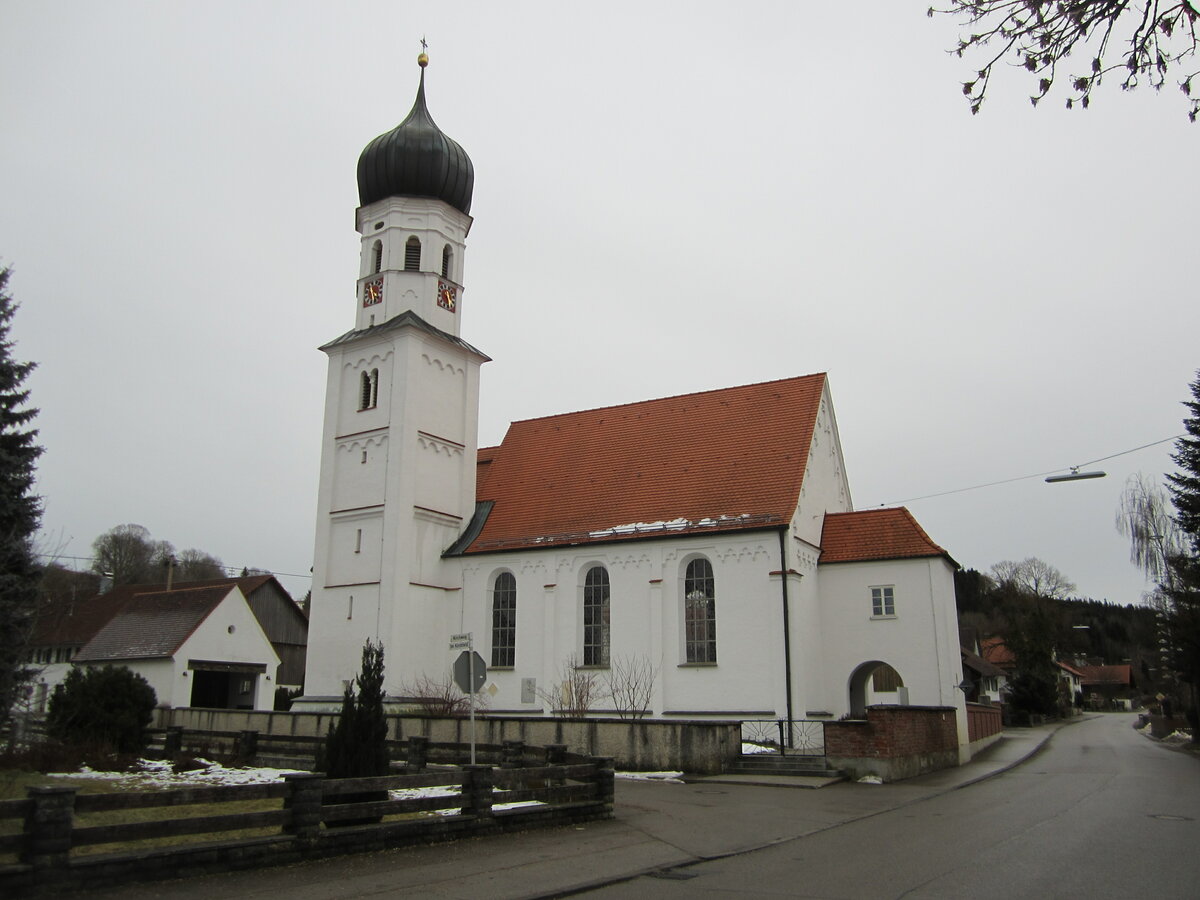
(447, 255)
(412, 254)
(377, 256)
(358, 541)
(369, 390)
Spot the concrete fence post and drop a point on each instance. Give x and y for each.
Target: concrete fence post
(605, 782)
(513, 755)
(48, 827)
(556, 755)
(417, 756)
(478, 782)
(304, 800)
(173, 742)
(246, 747)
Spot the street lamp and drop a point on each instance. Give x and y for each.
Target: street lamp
(1075, 475)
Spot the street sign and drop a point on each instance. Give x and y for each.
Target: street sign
(460, 641)
(468, 677)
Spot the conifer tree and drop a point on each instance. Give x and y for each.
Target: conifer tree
(356, 746)
(1183, 585)
(20, 510)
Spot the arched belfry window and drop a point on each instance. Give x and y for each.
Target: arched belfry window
(504, 620)
(700, 612)
(596, 617)
(447, 255)
(377, 257)
(412, 254)
(368, 389)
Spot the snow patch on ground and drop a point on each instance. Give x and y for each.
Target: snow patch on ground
(157, 773)
(669, 777)
(748, 748)
(870, 779)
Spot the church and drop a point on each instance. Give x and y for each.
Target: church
(708, 540)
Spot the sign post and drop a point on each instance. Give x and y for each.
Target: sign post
(470, 672)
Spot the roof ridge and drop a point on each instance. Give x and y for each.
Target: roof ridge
(734, 387)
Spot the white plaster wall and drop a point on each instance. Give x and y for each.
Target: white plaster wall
(825, 487)
(646, 582)
(920, 641)
(231, 634)
(341, 620)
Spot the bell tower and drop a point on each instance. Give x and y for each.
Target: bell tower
(400, 435)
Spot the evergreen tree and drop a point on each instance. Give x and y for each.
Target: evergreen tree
(105, 710)
(1183, 584)
(20, 510)
(356, 746)
(1185, 484)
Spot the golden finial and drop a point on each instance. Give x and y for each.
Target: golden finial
(423, 57)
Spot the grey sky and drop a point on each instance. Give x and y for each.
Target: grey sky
(669, 198)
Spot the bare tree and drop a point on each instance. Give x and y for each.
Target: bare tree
(196, 565)
(1140, 40)
(578, 689)
(630, 683)
(130, 555)
(1144, 516)
(438, 697)
(1033, 576)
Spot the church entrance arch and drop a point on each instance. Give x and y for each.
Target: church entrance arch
(868, 680)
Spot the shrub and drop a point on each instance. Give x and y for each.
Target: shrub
(107, 709)
(356, 746)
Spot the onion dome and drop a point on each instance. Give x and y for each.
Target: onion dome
(415, 159)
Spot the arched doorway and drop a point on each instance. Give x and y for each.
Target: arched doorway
(868, 681)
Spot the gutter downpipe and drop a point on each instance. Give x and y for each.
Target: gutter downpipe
(787, 631)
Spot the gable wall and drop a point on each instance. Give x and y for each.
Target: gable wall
(920, 642)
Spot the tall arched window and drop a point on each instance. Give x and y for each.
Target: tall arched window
(368, 389)
(596, 617)
(447, 255)
(700, 612)
(377, 256)
(412, 254)
(504, 620)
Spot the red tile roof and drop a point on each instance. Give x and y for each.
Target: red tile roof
(874, 534)
(714, 461)
(1071, 669)
(153, 625)
(994, 651)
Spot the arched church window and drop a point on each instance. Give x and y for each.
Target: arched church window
(377, 256)
(700, 612)
(368, 389)
(504, 620)
(412, 254)
(447, 255)
(596, 621)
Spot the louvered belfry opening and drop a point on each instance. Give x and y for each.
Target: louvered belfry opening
(412, 254)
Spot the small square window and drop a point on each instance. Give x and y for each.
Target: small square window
(883, 601)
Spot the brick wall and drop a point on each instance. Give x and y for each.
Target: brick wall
(983, 721)
(895, 741)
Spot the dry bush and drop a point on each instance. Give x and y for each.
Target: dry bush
(577, 690)
(630, 683)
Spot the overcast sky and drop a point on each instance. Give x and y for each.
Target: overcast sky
(668, 198)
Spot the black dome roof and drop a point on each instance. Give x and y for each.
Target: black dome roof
(415, 159)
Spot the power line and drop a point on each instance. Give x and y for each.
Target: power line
(976, 487)
(92, 559)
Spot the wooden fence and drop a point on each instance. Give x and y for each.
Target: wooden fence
(311, 817)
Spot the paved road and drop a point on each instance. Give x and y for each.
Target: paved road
(1101, 812)
(1077, 820)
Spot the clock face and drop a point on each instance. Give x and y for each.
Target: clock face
(373, 292)
(447, 297)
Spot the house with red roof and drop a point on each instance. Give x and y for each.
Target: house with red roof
(709, 538)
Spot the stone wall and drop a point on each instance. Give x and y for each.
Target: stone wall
(894, 742)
